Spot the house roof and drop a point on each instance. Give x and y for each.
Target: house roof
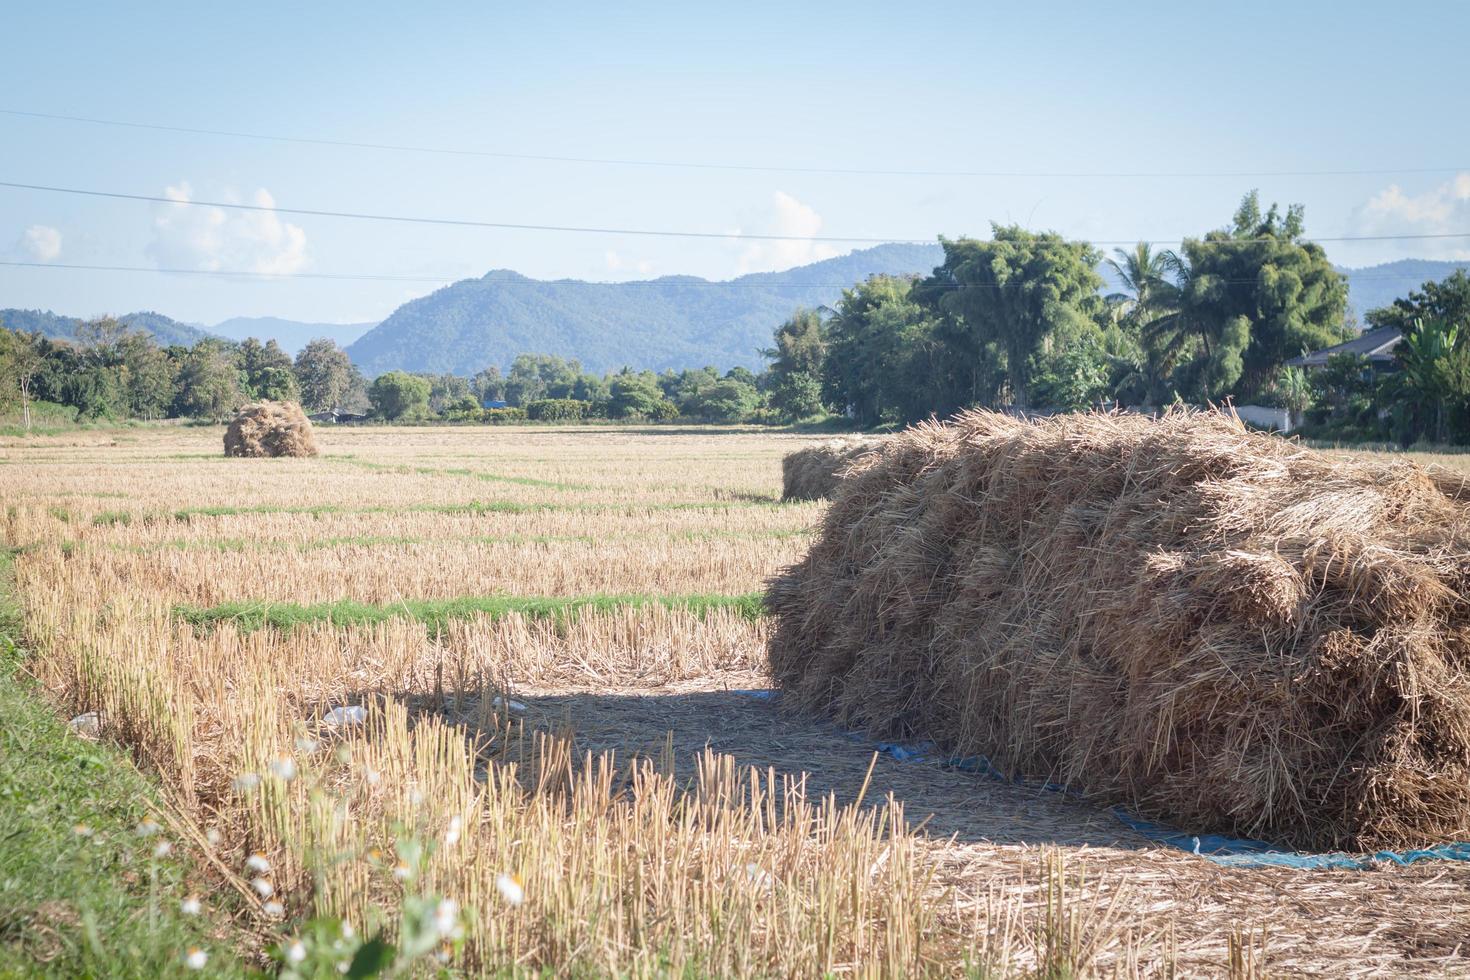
(1376, 345)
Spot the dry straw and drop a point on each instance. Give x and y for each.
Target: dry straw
(270, 429)
(814, 472)
(1216, 627)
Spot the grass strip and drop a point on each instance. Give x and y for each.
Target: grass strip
(404, 540)
(81, 894)
(468, 507)
(437, 613)
(524, 481)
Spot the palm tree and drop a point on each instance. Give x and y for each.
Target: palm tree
(1153, 284)
(1144, 274)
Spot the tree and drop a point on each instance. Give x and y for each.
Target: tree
(324, 373)
(21, 360)
(727, 400)
(148, 376)
(1076, 377)
(536, 376)
(488, 385)
(208, 382)
(881, 350)
(1145, 277)
(266, 371)
(399, 395)
(1253, 294)
(1433, 379)
(1018, 294)
(1343, 385)
(445, 389)
(638, 396)
(1445, 301)
(797, 362)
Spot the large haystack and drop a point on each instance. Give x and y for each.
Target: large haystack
(1217, 628)
(270, 429)
(814, 472)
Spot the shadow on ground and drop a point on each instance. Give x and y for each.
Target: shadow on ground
(966, 806)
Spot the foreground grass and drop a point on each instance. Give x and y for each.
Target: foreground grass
(81, 893)
(436, 613)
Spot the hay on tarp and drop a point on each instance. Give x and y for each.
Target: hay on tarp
(814, 472)
(1217, 628)
(270, 429)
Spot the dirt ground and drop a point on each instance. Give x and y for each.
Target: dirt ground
(1386, 920)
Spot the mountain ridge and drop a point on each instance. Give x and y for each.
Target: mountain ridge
(668, 322)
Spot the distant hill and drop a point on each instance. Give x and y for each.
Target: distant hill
(1379, 285)
(164, 330)
(292, 335)
(671, 322)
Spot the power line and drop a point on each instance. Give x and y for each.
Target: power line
(556, 283)
(663, 233)
(468, 223)
(736, 167)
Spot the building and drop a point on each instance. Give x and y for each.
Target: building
(1376, 345)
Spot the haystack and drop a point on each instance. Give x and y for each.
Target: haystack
(813, 473)
(1216, 628)
(270, 429)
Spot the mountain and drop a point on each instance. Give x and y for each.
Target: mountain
(671, 322)
(164, 330)
(1379, 285)
(292, 335)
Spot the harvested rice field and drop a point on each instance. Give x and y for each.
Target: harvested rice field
(488, 691)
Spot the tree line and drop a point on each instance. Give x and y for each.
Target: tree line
(1018, 322)
(1022, 322)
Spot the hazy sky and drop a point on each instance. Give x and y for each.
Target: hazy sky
(1014, 87)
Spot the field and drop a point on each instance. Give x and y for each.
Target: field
(554, 635)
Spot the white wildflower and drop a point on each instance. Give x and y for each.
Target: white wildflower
(147, 827)
(295, 951)
(195, 958)
(510, 889)
(246, 782)
(446, 916)
(263, 887)
(403, 872)
(284, 768)
(162, 849)
(451, 835)
(190, 905)
(274, 909)
(258, 862)
(82, 830)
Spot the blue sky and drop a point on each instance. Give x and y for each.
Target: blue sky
(966, 86)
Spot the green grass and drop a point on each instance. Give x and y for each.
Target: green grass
(524, 481)
(469, 507)
(436, 613)
(110, 517)
(73, 905)
(404, 540)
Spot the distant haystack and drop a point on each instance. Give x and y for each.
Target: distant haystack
(1218, 628)
(813, 473)
(270, 429)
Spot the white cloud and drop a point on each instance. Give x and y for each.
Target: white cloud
(620, 263)
(196, 237)
(1440, 210)
(42, 242)
(788, 216)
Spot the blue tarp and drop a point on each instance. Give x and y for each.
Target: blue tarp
(1235, 852)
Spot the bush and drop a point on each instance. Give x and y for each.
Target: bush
(503, 416)
(556, 410)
